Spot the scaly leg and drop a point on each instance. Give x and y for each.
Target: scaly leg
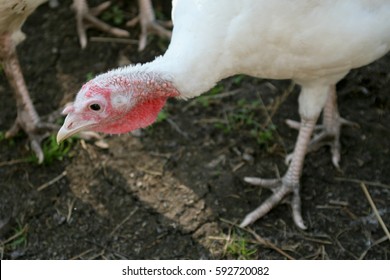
(289, 183)
(148, 23)
(330, 129)
(27, 117)
(87, 18)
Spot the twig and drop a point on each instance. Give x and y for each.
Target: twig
(177, 128)
(315, 255)
(217, 96)
(379, 241)
(150, 172)
(124, 221)
(338, 243)
(358, 181)
(279, 101)
(210, 121)
(269, 244)
(16, 235)
(223, 94)
(79, 256)
(70, 209)
(106, 249)
(14, 161)
(51, 182)
(100, 254)
(373, 206)
(238, 166)
(228, 238)
(113, 40)
(321, 241)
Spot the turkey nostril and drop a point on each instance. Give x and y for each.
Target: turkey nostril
(70, 125)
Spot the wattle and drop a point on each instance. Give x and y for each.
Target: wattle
(141, 115)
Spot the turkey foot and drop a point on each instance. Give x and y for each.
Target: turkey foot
(281, 188)
(87, 18)
(289, 183)
(27, 117)
(148, 23)
(330, 129)
(34, 128)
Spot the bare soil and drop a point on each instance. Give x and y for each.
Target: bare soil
(175, 190)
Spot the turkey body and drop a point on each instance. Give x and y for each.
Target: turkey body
(301, 40)
(13, 13)
(314, 43)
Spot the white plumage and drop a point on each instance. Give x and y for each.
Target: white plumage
(13, 13)
(315, 43)
(300, 40)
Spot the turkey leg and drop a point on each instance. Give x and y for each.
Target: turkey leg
(27, 117)
(330, 129)
(148, 23)
(289, 183)
(87, 18)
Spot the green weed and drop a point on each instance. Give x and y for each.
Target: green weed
(204, 99)
(53, 151)
(10, 142)
(240, 247)
(89, 76)
(246, 117)
(115, 15)
(18, 239)
(264, 136)
(2, 136)
(237, 80)
(162, 116)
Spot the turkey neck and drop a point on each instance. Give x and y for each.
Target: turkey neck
(190, 74)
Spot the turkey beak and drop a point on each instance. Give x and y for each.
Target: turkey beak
(71, 126)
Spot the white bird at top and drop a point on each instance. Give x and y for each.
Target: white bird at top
(315, 43)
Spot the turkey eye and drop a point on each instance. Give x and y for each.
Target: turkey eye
(94, 107)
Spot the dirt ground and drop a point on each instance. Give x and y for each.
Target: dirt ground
(176, 189)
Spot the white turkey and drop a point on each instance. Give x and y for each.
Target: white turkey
(314, 43)
(13, 13)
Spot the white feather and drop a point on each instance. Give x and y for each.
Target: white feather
(314, 42)
(304, 40)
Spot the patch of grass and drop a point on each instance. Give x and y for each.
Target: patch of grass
(2, 136)
(10, 142)
(89, 76)
(245, 114)
(264, 136)
(51, 150)
(18, 239)
(237, 80)
(204, 99)
(54, 152)
(240, 247)
(114, 14)
(162, 116)
(245, 117)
